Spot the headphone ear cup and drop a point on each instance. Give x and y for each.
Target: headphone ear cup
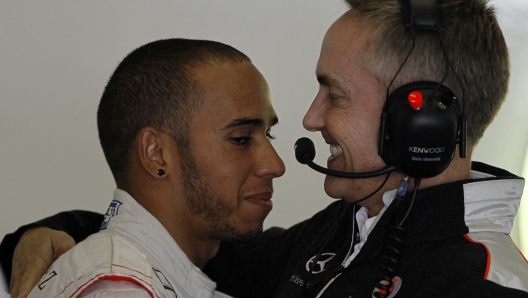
(420, 142)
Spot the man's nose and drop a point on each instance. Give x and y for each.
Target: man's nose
(271, 164)
(314, 119)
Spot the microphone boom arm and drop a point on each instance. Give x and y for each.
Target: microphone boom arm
(330, 172)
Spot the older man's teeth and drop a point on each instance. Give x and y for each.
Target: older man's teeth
(335, 150)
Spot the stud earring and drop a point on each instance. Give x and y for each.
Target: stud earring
(161, 172)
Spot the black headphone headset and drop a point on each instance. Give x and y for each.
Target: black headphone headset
(422, 122)
(420, 127)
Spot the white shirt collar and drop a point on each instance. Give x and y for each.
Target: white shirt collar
(131, 220)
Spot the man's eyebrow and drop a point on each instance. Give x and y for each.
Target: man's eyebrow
(327, 81)
(250, 122)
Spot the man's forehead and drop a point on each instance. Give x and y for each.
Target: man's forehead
(343, 49)
(226, 118)
(251, 112)
(347, 34)
(332, 69)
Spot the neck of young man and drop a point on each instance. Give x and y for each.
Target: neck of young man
(168, 206)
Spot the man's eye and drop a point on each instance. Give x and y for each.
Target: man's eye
(333, 97)
(241, 141)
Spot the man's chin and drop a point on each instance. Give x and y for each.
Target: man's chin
(334, 187)
(243, 236)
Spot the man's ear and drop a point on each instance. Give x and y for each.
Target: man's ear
(152, 145)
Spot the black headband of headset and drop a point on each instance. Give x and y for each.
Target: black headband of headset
(423, 14)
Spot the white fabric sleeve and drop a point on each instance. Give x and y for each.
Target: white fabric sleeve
(115, 289)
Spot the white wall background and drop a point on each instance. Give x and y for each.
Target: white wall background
(56, 56)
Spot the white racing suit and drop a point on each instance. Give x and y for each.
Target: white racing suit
(132, 256)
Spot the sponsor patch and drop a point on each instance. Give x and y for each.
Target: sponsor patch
(49, 275)
(319, 266)
(165, 282)
(396, 285)
(112, 211)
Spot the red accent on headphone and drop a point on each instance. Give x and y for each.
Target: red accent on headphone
(416, 100)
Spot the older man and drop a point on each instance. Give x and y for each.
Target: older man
(446, 238)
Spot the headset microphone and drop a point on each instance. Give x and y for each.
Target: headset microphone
(305, 153)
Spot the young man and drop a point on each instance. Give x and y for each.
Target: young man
(455, 241)
(185, 128)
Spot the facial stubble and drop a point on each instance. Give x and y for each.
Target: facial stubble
(203, 201)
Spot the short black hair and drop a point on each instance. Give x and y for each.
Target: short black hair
(154, 86)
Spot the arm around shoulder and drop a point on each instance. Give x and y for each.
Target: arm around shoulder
(51, 236)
